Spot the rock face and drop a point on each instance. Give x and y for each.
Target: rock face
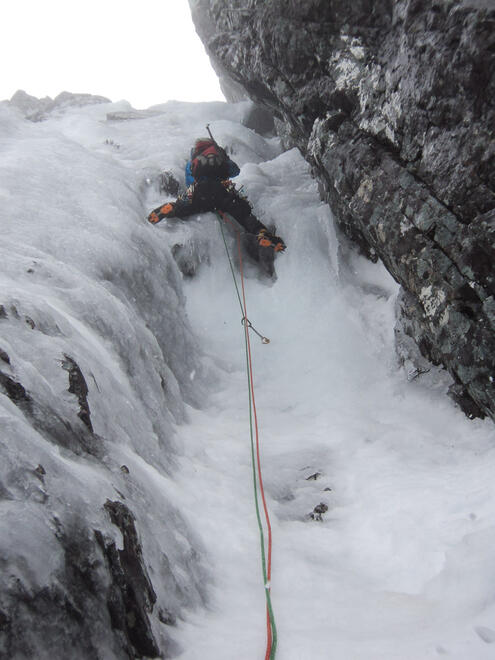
(393, 104)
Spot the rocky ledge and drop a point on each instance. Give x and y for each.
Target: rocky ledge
(393, 104)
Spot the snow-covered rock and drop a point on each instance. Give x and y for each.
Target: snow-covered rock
(36, 109)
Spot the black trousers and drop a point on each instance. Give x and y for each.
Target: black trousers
(212, 195)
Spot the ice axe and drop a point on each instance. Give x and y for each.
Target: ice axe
(209, 133)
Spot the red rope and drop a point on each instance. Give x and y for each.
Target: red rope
(258, 457)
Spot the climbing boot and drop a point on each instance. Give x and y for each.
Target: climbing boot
(265, 239)
(153, 218)
(165, 211)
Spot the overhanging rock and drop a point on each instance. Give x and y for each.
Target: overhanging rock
(393, 105)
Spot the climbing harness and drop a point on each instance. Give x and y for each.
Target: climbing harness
(266, 554)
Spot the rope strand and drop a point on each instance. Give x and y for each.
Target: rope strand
(266, 558)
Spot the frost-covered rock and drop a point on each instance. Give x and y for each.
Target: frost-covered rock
(29, 105)
(36, 109)
(393, 106)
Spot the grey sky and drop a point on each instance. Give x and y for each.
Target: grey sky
(146, 52)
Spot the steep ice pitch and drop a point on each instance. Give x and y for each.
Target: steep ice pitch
(400, 565)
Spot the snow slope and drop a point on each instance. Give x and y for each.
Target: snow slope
(399, 568)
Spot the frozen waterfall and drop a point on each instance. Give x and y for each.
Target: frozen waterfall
(127, 525)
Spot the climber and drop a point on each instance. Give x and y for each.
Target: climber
(208, 174)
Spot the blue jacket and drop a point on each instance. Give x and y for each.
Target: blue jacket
(233, 171)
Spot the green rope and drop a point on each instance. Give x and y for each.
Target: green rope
(231, 267)
(253, 458)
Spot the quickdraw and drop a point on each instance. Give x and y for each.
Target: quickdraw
(245, 321)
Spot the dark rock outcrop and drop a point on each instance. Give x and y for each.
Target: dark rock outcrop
(393, 104)
(130, 594)
(78, 386)
(98, 588)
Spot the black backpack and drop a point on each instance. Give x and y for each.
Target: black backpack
(209, 160)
